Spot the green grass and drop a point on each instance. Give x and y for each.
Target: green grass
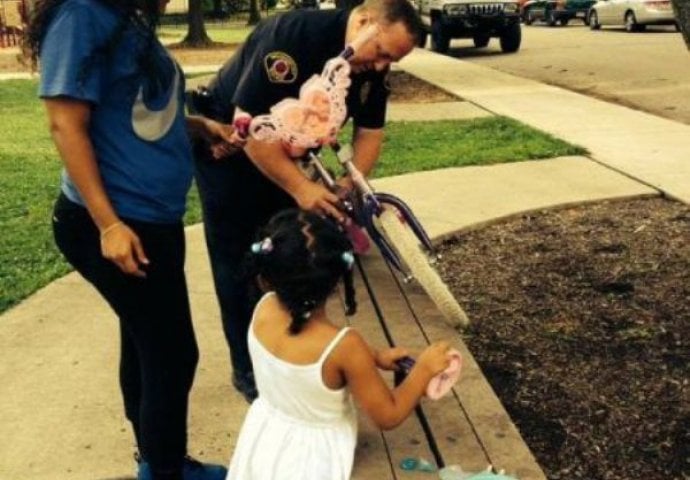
(417, 146)
(29, 176)
(30, 170)
(190, 76)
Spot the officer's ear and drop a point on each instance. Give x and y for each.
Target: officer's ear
(372, 18)
(363, 19)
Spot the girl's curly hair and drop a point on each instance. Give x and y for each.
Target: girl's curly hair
(302, 257)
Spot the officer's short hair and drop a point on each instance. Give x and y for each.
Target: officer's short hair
(394, 11)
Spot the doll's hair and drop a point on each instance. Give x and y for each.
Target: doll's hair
(302, 257)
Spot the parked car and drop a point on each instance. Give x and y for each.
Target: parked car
(635, 15)
(555, 11)
(479, 20)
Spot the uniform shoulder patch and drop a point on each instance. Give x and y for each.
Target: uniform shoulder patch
(280, 67)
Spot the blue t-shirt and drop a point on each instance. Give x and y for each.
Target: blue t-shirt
(137, 126)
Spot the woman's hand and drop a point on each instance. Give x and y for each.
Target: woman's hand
(386, 358)
(223, 139)
(122, 246)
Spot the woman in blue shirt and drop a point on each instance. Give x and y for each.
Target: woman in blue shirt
(114, 100)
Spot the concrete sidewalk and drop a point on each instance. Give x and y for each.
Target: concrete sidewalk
(60, 408)
(650, 149)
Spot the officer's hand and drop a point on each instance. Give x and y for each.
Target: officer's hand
(122, 246)
(293, 151)
(344, 187)
(316, 198)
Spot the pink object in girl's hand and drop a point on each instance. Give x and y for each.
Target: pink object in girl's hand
(444, 381)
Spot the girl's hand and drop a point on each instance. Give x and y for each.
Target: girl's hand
(385, 358)
(122, 246)
(434, 359)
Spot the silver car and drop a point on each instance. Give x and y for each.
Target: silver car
(634, 14)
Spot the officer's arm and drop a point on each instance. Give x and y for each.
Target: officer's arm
(368, 122)
(271, 159)
(366, 144)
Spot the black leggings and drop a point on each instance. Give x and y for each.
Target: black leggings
(158, 349)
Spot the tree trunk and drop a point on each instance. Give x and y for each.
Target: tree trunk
(196, 34)
(254, 12)
(682, 10)
(217, 8)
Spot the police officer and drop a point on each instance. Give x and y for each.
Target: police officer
(240, 193)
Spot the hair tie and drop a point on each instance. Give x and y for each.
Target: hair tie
(348, 258)
(263, 247)
(308, 305)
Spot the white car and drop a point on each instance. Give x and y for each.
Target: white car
(634, 14)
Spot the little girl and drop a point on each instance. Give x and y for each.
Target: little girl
(303, 424)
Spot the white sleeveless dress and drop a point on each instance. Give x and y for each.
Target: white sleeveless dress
(298, 428)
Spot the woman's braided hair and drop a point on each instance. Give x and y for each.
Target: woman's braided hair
(302, 257)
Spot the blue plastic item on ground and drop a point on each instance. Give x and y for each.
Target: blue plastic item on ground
(418, 464)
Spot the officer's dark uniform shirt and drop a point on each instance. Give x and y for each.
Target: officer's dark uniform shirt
(281, 54)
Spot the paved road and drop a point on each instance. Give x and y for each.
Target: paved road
(649, 71)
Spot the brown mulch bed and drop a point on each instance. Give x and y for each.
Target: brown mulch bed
(408, 88)
(581, 323)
